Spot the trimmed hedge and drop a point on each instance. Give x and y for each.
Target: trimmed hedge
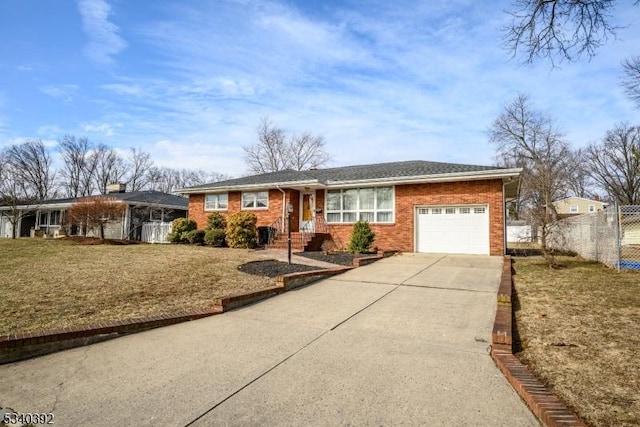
(241, 230)
(180, 230)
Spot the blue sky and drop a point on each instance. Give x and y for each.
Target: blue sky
(381, 81)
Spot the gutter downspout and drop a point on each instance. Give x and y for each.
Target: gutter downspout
(284, 205)
(504, 219)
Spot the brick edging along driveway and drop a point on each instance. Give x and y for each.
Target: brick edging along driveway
(542, 402)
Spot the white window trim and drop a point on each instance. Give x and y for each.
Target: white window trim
(217, 202)
(357, 210)
(592, 208)
(571, 209)
(255, 199)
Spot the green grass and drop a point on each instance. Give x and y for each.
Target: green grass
(50, 284)
(580, 332)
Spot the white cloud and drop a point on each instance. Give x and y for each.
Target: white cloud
(104, 39)
(105, 129)
(392, 81)
(122, 89)
(64, 92)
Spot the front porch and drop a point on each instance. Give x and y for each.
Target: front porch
(310, 235)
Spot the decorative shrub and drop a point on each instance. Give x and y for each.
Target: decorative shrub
(362, 237)
(180, 229)
(216, 221)
(241, 230)
(215, 237)
(195, 237)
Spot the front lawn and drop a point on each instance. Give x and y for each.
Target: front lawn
(580, 332)
(55, 283)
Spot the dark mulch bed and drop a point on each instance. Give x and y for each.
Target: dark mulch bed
(273, 268)
(342, 258)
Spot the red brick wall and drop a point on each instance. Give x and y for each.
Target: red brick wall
(400, 236)
(265, 216)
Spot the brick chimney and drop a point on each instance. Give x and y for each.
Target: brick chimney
(596, 197)
(116, 188)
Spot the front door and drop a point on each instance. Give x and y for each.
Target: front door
(308, 208)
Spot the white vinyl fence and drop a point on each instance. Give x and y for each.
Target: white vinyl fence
(156, 232)
(611, 236)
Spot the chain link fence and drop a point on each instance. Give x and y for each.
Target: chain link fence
(611, 236)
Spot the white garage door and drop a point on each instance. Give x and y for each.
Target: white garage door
(453, 229)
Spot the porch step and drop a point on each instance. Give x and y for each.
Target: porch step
(280, 241)
(312, 242)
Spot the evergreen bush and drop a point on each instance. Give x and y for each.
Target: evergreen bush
(241, 230)
(195, 237)
(180, 229)
(362, 237)
(215, 237)
(216, 221)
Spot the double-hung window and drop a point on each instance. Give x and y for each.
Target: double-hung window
(255, 200)
(373, 204)
(216, 202)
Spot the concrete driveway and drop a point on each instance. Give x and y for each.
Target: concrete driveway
(400, 342)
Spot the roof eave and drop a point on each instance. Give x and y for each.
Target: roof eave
(265, 186)
(504, 174)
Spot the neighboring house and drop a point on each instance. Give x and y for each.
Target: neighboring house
(412, 206)
(578, 206)
(47, 218)
(630, 225)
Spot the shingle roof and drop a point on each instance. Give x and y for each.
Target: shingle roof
(132, 198)
(394, 170)
(381, 171)
(288, 175)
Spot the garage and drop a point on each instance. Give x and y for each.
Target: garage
(453, 229)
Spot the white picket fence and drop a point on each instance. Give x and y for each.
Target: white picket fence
(156, 232)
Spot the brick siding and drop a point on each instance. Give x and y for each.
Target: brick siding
(397, 236)
(400, 235)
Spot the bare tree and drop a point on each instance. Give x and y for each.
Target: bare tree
(14, 193)
(566, 30)
(139, 165)
(31, 166)
(307, 151)
(580, 183)
(110, 167)
(529, 139)
(79, 165)
(169, 179)
(615, 164)
(274, 151)
(95, 211)
(631, 81)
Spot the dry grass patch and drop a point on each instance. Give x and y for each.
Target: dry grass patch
(580, 332)
(51, 283)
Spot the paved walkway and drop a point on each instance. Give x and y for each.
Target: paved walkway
(282, 255)
(402, 341)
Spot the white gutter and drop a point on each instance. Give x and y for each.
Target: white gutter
(442, 177)
(263, 186)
